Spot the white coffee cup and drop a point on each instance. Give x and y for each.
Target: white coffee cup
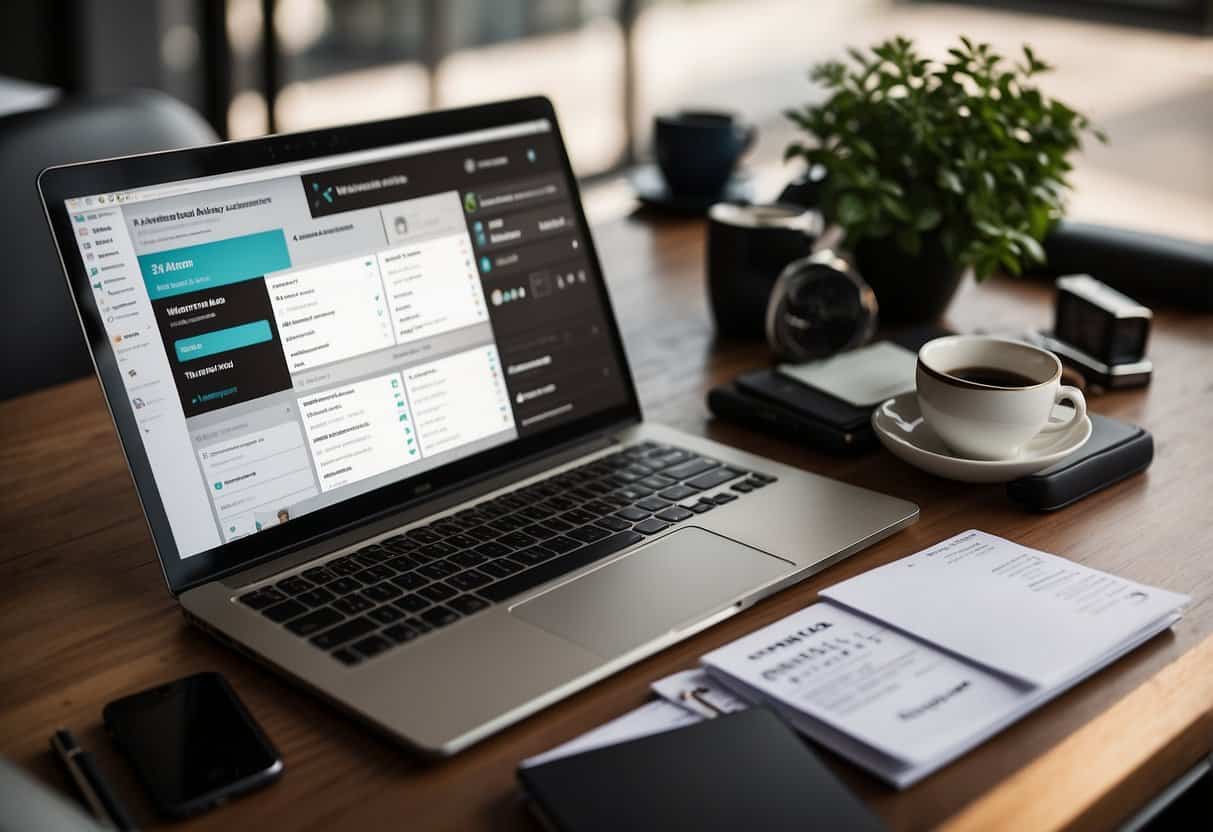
(984, 413)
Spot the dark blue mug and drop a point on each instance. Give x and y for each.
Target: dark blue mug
(697, 150)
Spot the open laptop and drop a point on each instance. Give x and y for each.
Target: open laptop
(377, 410)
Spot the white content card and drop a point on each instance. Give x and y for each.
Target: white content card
(1037, 617)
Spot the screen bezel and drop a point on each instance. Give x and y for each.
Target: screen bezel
(60, 183)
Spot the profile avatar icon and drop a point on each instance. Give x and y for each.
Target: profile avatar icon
(283, 516)
(470, 203)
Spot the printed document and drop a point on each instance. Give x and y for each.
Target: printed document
(1031, 615)
(906, 667)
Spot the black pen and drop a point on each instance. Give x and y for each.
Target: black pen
(82, 769)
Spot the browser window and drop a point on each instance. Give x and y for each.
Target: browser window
(300, 334)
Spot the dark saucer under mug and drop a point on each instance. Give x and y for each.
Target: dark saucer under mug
(653, 192)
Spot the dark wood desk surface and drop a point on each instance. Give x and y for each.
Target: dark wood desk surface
(85, 618)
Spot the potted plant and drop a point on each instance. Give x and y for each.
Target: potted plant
(935, 168)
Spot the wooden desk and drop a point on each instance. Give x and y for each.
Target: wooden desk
(85, 617)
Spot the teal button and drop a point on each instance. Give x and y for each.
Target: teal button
(209, 265)
(222, 340)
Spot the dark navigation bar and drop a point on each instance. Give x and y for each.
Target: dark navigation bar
(479, 173)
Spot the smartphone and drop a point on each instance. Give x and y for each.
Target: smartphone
(192, 743)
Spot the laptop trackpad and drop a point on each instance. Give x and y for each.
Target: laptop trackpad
(670, 584)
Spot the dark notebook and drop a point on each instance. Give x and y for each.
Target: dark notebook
(742, 771)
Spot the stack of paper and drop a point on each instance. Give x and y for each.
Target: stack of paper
(904, 668)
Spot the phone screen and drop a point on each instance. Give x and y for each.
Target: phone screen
(192, 743)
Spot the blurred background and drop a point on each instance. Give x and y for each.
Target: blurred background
(1143, 69)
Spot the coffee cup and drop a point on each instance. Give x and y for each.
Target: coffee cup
(697, 150)
(987, 397)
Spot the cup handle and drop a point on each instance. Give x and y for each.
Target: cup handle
(1074, 395)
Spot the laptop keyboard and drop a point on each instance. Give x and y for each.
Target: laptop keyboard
(389, 593)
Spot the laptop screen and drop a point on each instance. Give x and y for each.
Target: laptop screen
(292, 336)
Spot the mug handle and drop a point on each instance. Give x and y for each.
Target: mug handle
(1074, 395)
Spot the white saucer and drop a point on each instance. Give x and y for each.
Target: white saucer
(901, 428)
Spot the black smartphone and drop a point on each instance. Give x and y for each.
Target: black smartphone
(192, 743)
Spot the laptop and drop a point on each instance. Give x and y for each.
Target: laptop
(377, 410)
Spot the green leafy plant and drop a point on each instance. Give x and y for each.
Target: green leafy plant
(967, 148)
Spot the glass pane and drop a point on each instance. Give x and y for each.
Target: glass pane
(368, 59)
(247, 113)
(356, 60)
(747, 56)
(572, 52)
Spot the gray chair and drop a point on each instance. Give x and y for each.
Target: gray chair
(40, 341)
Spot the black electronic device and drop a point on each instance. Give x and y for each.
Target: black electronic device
(1100, 333)
(745, 770)
(192, 743)
(1116, 450)
(768, 402)
(1100, 321)
(1096, 373)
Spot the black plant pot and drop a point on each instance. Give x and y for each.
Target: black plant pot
(909, 289)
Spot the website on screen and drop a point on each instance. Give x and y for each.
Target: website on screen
(296, 335)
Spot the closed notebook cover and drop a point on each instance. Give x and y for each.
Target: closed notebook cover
(746, 770)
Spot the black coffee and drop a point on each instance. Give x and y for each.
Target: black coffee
(992, 376)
